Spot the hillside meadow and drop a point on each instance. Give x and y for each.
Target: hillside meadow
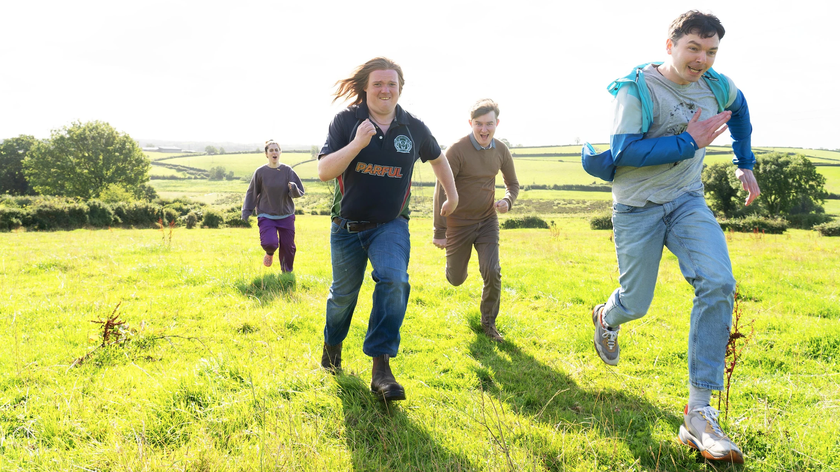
(215, 366)
(549, 165)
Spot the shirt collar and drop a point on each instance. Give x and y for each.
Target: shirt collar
(401, 116)
(478, 146)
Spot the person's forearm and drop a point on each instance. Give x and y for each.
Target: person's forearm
(333, 165)
(443, 172)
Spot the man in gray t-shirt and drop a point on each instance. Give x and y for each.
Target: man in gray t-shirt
(666, 115)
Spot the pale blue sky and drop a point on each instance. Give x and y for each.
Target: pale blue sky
(250, 70)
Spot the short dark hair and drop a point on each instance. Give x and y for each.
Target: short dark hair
(353, 87)
(702, 24)
(483, 107)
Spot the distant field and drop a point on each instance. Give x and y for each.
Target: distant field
(242, 165)
(531, 170)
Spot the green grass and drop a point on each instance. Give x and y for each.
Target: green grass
(219, 368)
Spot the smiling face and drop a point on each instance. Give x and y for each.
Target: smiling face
(689, 58)
(484, 128)
(383, 92)
(273, 154)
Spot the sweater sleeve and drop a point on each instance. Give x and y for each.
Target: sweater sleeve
(297, 190)
(439, 227)
(509, 176)
(251, 197)
(454, 159)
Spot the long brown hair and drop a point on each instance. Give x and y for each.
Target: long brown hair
(353, 87)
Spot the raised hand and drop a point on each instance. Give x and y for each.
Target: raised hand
(704, 132)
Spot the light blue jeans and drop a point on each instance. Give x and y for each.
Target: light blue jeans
(688, 229)
(388, 249)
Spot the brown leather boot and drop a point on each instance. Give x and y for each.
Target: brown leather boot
(489, 327)
(331, 358)
(383, 383)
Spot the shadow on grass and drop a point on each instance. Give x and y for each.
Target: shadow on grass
(545, 395)
(382, 437)
(268, 286)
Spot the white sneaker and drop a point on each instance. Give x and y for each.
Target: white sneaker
(700, 430)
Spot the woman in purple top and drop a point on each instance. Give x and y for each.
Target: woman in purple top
(270, 195)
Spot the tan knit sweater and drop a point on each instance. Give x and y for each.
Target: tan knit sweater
(475, 179)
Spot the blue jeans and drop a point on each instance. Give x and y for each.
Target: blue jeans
(387, 247)
(688, 229)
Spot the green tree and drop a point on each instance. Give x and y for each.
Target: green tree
(721, 191)
(507, 143)
(84, 158)
(221, 150)
(116, 193)
(12, 153)
(787, 182)
(210, 150)
(217, 173)
(313, 151)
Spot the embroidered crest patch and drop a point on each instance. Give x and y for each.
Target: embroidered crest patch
(402, 144)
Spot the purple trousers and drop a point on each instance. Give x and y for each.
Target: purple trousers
(279, 234)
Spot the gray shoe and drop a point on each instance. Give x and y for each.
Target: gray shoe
(606, 340)
(700, 430)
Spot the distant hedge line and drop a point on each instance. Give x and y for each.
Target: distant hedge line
(749, 224)
(59, 213)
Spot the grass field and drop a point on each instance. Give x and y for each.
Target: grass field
(216, 366)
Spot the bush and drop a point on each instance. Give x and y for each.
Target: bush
(191, 219)
(142, 214)
(601, 221)
(807, 220)
(524, 222)
(212, 219)
(57, 213)
(11, 218)
(234, 220)
(169, 215)
(755, 223)
(100, 215)
(217, 173)
(829, 229)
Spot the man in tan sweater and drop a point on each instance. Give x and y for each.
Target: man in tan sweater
(475, 160)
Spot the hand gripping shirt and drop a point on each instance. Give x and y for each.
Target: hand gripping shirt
(376, 186)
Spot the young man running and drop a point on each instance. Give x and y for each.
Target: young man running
(475, 160)
(666, 114)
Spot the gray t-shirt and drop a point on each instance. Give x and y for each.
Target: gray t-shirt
(673, 107)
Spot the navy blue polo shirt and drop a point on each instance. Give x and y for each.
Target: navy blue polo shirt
(376, 186)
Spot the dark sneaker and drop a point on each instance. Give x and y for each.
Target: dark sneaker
(383, 383)
(700, 430)
(331, 358)
(606, 340)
